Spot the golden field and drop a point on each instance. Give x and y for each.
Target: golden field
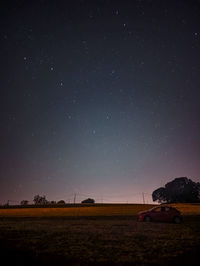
(95, 210)
(188, 208)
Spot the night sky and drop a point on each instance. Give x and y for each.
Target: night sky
(98, 98)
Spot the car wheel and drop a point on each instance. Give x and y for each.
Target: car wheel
(147, 219)
(177, 220)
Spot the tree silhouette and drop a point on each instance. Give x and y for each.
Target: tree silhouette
(24, 202)
(180, 189)
(88, 201)
(40, 200)
(61, 202)
(159, 195)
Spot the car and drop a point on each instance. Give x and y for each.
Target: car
(161, 214)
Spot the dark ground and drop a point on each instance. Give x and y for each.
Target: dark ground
(98, 241)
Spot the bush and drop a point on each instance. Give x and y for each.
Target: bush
(61, 202)
(88, 201)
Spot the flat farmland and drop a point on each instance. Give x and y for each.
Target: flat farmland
(110, 235)
(76, 210)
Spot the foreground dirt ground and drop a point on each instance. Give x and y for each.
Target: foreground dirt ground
(98, 240)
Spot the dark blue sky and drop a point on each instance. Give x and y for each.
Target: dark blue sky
(98, 98)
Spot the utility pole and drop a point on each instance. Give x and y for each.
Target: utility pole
(143, 197)
(74, 198)
(101, 199)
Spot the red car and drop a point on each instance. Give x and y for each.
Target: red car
(161, 214)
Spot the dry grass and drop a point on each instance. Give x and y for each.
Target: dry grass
(95, 210)
(188, 208)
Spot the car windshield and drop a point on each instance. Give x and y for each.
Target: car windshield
(152, 209)
(159, 208)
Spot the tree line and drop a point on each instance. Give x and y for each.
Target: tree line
(41, 200)
(181, 189)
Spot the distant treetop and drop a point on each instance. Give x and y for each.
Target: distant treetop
(88, 201)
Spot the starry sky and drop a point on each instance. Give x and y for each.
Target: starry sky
(98, 98)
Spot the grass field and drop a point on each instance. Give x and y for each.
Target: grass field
(98, 235)
(78, 210)
(93, 210)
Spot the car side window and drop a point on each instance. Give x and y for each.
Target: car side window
(167, 209)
